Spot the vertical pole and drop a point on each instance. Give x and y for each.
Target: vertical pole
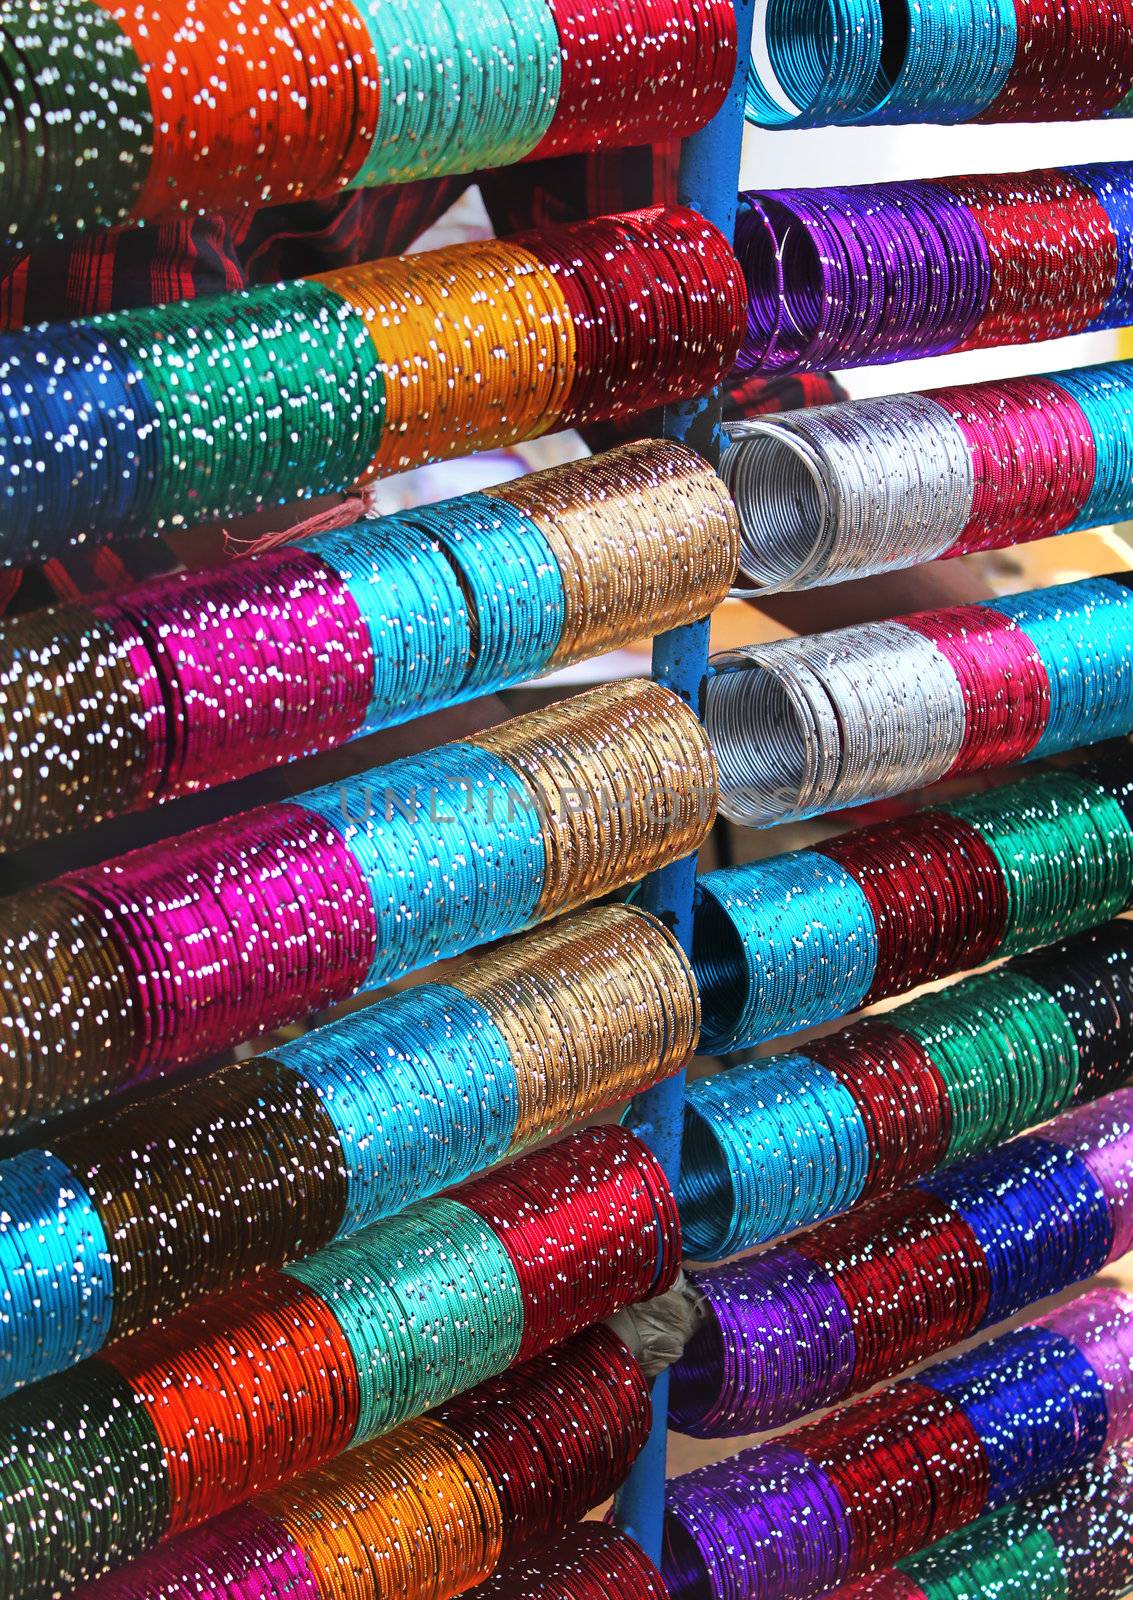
(709, 183)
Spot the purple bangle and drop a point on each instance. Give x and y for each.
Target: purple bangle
(1102, 1136)
(1100, 1325)
(959, 254)
(792, 1537)
(841, 276)
(777, 1342)
(756, 249)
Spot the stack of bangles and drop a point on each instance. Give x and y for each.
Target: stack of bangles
(864, 486)
(110, 1227)
(145, 111)
(830, 720)
(793, 941)
(183, 948)
(590, 1562)
(1076, 1543)
(471, 1484)
(888, 1475)
(189, 681)
(233, 1397)
(864, 1297)
(787, 1140)
(859, 276)
(181, 414)
(860, 62)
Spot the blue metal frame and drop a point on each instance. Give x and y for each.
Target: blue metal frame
(709, 182)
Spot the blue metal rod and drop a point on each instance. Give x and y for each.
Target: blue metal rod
(709, 182)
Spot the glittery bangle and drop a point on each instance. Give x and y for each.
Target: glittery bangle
(793, 941)
(195, 680)
(236, 1396)
(865, 486)
(198, 943)
(590, 1562)
(437, 1503)
(817, 1507)
(831, 64)
(804, 726)
(864, 1297)
(144, 112)
(1075, 1541)
(175, 415)
(180, 1196)
(851, 276)
(775, 1143)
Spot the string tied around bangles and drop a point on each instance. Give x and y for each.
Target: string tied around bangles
(173, 416)
(124, 703)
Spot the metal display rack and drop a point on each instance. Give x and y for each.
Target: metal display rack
(709, 182)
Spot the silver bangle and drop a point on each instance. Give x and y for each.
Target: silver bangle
(803, 726)
(845, 491)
